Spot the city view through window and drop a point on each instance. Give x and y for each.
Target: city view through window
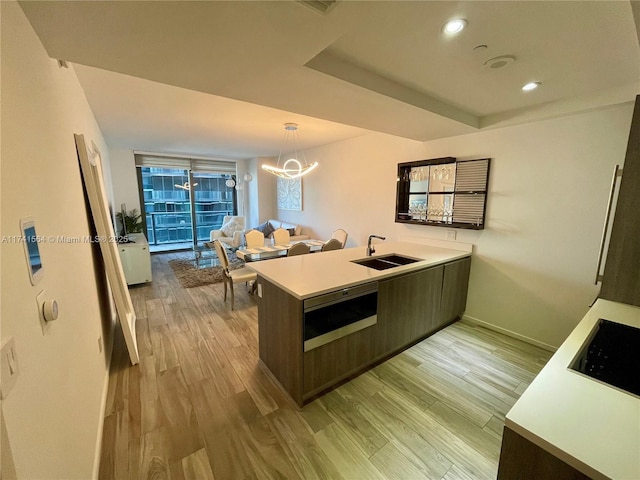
(172, 215)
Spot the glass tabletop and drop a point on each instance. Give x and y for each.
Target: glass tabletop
(204, 256)
(273, 251)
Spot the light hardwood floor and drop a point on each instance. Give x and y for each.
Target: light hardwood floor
(200, 405)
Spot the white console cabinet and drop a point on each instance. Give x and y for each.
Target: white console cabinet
(136, 260)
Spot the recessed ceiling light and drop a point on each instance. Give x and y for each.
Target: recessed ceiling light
(530, 86)
(454, 26)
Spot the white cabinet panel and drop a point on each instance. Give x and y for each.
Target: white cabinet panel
(136, 260)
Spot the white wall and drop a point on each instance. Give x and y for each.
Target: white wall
(261, 200)
(54, 413)
(242, 194)
(533, 267)
(252, 212)
(354, 187)
(124, 179)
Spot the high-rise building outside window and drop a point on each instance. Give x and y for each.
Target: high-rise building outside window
(179, 202)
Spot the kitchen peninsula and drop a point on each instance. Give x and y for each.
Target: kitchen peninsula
(323, 318)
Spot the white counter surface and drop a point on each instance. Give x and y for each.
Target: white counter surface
(592, 426)
(306, 276)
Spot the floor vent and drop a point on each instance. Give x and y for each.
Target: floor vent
(320, 6)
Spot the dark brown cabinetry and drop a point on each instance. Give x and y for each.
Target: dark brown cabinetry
(454, 290)
(520, 458)
(410, 307)
(621, 282)
(280, 336)
(335, 361)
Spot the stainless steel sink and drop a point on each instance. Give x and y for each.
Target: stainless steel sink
(385, 261)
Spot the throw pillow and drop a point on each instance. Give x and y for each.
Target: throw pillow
(292, 231)
(266, 228)
(230, 227)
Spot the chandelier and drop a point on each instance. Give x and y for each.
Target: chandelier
(292, 167)
(185, 186)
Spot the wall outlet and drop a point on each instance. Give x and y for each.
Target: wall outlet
(9, 366)
(451, 234)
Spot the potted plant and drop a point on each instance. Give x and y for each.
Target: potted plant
(131, 221)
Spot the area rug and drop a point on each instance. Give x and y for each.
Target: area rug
(189, 276)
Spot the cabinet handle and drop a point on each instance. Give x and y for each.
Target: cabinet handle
(617, 173)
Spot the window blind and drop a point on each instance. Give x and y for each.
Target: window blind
(224, 167)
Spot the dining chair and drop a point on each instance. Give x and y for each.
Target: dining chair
(281, 236)
(341, 236)
(232, 276)
(299, 248)
(254, 238)
(331, 244)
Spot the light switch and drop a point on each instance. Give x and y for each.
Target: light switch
(9, 364)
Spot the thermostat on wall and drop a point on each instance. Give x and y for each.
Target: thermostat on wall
(31, 249)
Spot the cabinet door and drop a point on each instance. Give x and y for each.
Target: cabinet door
(621, 281)
(407, 308)
(337, 360)
(427, 319)
(454, 290)
(136, 263)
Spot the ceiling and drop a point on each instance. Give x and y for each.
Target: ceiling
(222, 77)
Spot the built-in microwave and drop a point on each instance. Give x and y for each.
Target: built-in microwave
(334, 315)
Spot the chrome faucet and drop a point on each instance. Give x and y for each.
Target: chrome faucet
(370, 249)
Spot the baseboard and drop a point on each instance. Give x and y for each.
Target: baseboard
(510, 333)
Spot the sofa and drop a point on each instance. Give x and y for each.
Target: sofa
(231, 233)
(295, 231)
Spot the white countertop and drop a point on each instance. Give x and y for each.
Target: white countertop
(306, 276)
(590, 425)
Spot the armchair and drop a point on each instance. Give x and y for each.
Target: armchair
(231, 233)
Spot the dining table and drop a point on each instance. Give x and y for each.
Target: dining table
(267, 252)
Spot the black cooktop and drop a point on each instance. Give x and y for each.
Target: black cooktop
(612, 356)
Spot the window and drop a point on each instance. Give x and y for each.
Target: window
(183, 197)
